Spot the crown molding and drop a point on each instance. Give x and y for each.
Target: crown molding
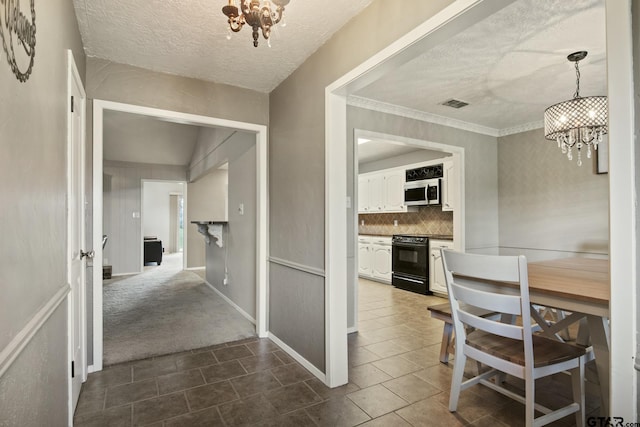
(383, 107)
(521, 128)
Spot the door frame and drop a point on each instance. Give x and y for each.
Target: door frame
(623, 234)
(74, 81)
(262, 250)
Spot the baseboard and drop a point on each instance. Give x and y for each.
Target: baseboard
(301, 360)
(352, 330)
(232, 304)
(11, 352)
(195, 268)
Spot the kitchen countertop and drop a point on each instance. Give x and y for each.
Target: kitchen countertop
(431, 236)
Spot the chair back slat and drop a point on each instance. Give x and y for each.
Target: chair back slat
(502, 269)
(464, 293)
(492, 326)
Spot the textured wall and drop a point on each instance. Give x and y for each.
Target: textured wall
(206, 201)
(549, 207)
(240, 245)
(296, 164)
(122, 185)
(33, 138)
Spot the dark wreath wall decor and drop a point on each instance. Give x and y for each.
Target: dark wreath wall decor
(18, 37)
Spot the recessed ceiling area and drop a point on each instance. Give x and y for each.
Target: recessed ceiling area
(141, 139)
(509, 67)
(381, 149)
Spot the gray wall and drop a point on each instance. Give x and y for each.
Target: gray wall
(122, 186)
(132, 85)
(206, 201)
(33, 129)
(549, 206)
(296, 168)
(240, 238)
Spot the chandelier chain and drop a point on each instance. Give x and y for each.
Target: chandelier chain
(577, 94)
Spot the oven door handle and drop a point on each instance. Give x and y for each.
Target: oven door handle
(410, 280)
(408, 245)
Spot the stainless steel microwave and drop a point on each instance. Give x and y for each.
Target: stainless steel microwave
(424, 192)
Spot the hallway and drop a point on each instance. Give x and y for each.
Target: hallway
(165, 310)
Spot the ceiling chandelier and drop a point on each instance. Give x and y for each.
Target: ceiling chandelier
(260, 15)
(578, 121)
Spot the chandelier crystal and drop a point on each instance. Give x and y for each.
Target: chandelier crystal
(578, 122)
(260, 15)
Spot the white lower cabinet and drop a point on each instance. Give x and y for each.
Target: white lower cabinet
(374, 258)
(364, 259)
(437, 283)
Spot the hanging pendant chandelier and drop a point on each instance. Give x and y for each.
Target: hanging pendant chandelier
(578, 122)
(260, 15)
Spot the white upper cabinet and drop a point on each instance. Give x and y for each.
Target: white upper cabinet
(394, 191)
(376, 193)
(382, 192)
(363, 194)
(450, 187)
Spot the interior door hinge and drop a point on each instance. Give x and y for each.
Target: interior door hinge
(72, 103)
(73, 369)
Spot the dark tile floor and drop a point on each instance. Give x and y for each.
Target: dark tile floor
(395, 379)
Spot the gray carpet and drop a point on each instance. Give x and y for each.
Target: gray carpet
(165, 310)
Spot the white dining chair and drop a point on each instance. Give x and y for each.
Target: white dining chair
(500, 284)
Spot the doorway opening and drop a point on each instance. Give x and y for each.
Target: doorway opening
(163, 219)
(259, 159)
(377, 152)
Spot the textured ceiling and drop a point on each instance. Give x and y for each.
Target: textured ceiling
(188, 38)
(509, 67)
(141, 139)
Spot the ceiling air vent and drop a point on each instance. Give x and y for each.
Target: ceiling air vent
(455, 103)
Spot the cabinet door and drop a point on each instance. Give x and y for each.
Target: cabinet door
(363, 195)
(376, 193)
(394, 191)
(381, 263)
(436, 269)
(364, 259)
(450, 191)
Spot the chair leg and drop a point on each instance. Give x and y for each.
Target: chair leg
(530, 396)
(577, 383)
(456, 380)
(446, 342)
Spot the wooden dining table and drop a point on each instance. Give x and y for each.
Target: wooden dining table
(580, 286)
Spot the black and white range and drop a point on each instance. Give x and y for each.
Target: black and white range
(410, 263)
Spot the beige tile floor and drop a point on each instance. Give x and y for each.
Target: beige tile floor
(395, 379)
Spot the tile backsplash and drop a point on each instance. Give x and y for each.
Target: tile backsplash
(427, 220)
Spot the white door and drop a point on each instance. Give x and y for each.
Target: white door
(76, 234)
